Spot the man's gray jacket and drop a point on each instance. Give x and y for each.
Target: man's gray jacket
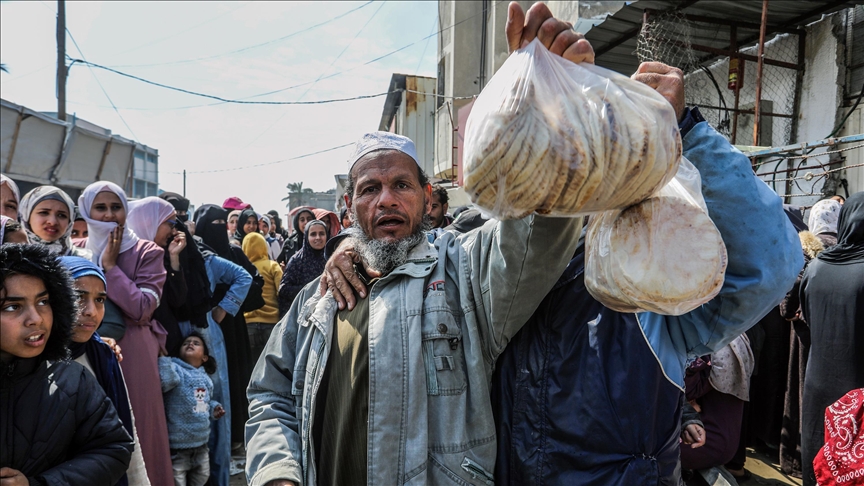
(436, 326)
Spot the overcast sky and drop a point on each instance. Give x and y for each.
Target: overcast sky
(148, 39)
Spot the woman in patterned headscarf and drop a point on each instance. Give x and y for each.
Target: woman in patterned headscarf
(823, 221)
(46, 215)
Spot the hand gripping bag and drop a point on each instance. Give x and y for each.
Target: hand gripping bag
(661, 255)
(566, 139)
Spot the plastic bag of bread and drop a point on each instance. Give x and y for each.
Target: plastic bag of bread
(560, 138)
(661, 255)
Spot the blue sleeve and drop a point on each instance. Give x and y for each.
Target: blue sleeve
(762, 246)
(167, 374)
(222, 271)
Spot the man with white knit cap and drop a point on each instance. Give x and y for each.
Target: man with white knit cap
(395, 389)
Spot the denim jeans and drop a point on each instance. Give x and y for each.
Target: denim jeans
(191, 466)
(259, 334)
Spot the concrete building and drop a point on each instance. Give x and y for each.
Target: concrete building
(409, 110)
(38, 149)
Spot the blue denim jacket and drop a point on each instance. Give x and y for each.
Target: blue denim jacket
(436, 326)
(222, 271)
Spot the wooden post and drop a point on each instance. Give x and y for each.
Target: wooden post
(759, 64)
(61, 60)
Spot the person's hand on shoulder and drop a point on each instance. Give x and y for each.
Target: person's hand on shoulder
(558, 36)
(341, 279)
(114, 347)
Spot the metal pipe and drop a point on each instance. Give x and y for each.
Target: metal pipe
(759, 66)
(733, 41)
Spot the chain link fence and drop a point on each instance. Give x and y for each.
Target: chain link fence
(673, 38)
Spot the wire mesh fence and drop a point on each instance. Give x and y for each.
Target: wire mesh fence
(673, 38)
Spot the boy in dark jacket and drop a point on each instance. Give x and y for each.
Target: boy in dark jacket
(56, 424)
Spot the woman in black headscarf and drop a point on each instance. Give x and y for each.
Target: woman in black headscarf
(246, 223)
(832, 303)
(237, 347)
(305, 266)
(180, 203)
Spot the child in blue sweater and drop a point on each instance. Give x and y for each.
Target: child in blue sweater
(187, 392)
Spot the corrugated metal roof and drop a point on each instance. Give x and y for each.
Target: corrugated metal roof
(615, 40)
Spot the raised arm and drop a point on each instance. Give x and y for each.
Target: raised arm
(763, 248)
(167, 374)
(139, 297)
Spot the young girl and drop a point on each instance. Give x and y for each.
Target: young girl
(189, 406)
(100, 357)
(56, 424)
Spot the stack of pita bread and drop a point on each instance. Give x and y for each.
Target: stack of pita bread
(553, 137)
(661, 255)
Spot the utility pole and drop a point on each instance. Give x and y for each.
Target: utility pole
(61, 59)
(184, 182)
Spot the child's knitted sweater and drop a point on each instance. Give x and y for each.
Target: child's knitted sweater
(188, 405)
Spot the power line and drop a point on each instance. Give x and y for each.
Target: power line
(319, 76)
(265, 163)
(419, 63)
(81, 53)
(255, 46)
(219, 98)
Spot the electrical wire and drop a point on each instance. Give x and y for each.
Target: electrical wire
(419, 63)
(110, 101)
(255, 46)
(265, 163)
(320, 75)
(221, 99)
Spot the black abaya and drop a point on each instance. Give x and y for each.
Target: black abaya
(832, 302)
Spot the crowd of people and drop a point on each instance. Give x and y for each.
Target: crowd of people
(401, 342)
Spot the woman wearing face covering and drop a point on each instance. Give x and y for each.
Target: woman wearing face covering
(46, 215)
(180, 203)
(211, 228)
(155, 219)
(832, 303)
(305, 266)
(135, 275)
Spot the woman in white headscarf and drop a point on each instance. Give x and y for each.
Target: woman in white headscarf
(9, 197)
(135, 274)
(823, 221)
(46, 215)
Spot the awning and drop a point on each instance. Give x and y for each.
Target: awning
(615, 39)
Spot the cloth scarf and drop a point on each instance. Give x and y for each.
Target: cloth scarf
(841, 459)
(731, 368)
(850, 234)
(145, 216)
(239, 233)
(62, 245)
(100, 231)
(307, 264)
(823, 217)
(215, 236)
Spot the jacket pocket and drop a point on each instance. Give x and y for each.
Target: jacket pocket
(443, 354)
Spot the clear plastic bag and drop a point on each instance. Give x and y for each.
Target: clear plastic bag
(661, 255)
(565, 139)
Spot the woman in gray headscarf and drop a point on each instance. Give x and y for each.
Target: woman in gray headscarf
(46, 215)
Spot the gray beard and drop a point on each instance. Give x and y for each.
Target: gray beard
(383, 256)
